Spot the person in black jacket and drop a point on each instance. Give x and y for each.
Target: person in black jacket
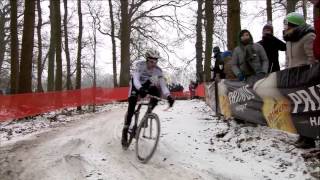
(272, 45)
(219, 64)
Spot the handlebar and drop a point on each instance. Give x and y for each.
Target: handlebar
(156, 97)
(161, 100)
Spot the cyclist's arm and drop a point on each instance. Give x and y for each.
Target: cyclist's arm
(163, 86)
(136, 80)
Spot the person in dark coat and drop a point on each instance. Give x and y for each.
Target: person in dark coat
(272, 45)
(219, 64)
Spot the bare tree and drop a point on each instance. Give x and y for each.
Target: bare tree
(94, 13)
(125, 44)
(14, 75)
(4, 11)
(140, 23)
(209, 39)
(114, 48)
(57, 22)
(39, 61)
(52, 50)
(291, 5)
(66, 43)
(198, 45)
(269, 11)
(78, 73)
(233, 24)
(25, 78)
(304, 9)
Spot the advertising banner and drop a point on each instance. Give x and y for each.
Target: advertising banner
(288, 100)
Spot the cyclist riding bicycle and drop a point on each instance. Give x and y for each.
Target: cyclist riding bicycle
(146, 79)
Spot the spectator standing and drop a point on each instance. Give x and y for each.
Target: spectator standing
(299, 37)
(227, 57)
(249, 60)
(218, 69)
(272, 46)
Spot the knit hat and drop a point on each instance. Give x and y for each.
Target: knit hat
(268, 27)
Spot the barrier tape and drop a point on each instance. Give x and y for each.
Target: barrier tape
(30, 104)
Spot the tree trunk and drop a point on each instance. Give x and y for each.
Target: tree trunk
(304, 9)
(94, 52)
(39, 65)
(234, 23)
(78, 68)
(14, 47)
(2, 37)
(66, 43)
(25, 83)
(198, 45)
(114, 49)
(50, 84)
(291, 5)
(94, 60)
(269, 12)
(78, 74)
(209, 39)
(125, 44)
(57, 22)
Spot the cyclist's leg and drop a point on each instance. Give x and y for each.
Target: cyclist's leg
(131, 107)
(132, 100)
(153, 90)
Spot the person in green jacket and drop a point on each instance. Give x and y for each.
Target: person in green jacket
(299, 38)
(249, 60)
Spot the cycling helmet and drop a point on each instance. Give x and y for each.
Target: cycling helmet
(152, 53)
(295, 18)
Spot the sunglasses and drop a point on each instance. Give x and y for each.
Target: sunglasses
(152, 60)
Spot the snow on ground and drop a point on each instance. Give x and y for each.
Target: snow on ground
(193, 145)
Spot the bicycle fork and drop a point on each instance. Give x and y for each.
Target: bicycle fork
(149, 125)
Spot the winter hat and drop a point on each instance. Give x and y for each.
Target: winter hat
(295, 19)
(226, 54)
(216, 50)
(245, 31)
(268, 27)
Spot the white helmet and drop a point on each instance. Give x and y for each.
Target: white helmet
(152, 53)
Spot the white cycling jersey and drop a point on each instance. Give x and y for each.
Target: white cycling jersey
(142, 74)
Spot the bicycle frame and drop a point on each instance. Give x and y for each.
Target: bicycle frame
(137, 129)
(137, 113)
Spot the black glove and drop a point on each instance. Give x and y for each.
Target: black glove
(146, 84)
(143, 92)
(241, 77)
(170, 101)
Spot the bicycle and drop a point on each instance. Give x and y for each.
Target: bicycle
(149, 125)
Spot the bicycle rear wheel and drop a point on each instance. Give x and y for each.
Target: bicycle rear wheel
(147, 137)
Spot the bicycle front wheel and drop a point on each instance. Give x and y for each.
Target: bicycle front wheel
(147, 137)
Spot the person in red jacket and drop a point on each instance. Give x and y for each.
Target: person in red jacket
(316, 43)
